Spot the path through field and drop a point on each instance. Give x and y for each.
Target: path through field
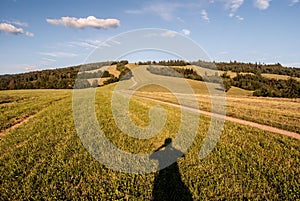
(142, 76)
(232, 119)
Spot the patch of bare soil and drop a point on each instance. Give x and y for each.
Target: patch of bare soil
(19, 122)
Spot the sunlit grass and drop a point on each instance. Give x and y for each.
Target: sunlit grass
(45, 159)
(282, 113)
(279, 77)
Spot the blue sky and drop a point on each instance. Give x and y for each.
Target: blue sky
(41, 34)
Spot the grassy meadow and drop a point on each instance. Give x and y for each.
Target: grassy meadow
(44, 159)
(282, 113)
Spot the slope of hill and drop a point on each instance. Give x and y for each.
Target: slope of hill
(276, 81)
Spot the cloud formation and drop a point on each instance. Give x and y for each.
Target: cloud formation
(82, 23)
(239, 18)
(169, 34)
(204, 15)
(18, 23)
(293, 2)
(165, 10)
(262, 4)
(86, 43)
(234, 5)
(186, 32)
(58, 54)
(11, 29)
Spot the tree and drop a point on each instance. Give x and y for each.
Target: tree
(292, 90)
(227, 84)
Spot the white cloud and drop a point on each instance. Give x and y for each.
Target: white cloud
(29, 34)
(49, 60)
(186, 32)
(204, 15)
(262, 4)
(236, 16)
(135, 11)
(239, 18)
(170, 34)
(9, 28)
(86, 43)
(234, 5)
(293, 64)
(163, 9)
(293, 2)
(27, 67)
(58, 54)
(18, 23)
(110, 43)
(82, 23)
(33, 68)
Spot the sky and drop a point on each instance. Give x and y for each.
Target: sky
(46, 34)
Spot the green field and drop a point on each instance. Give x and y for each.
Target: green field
(44, 159)
(282, 113)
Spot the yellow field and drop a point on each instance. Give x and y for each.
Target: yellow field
(279, 77)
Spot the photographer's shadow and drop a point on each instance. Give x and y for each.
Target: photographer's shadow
(167, 183)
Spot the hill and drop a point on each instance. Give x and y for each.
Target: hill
(261, 79)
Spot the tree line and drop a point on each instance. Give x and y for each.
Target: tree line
(255, 82)
(64, 78)
(60, 78)
(255, 68)
(187, 73)
(268, 87)
(164, 63)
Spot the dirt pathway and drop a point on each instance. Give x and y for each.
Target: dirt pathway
(232, 119)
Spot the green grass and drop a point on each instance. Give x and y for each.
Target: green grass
(43, 159)
(15, 106)
(282, 113)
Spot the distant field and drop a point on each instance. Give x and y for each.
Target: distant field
(233, 74)
(43, 159)
(282, 113)
(279, 77)
(235, 91)
(111, 69)
(271, 76)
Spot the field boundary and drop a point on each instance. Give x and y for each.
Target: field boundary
(228, 118)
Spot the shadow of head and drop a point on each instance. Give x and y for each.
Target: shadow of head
(168, 141)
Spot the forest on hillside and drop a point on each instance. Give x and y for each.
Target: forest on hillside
(64, 78)
(60, 78)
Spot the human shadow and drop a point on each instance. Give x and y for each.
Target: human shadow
(167, 183)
